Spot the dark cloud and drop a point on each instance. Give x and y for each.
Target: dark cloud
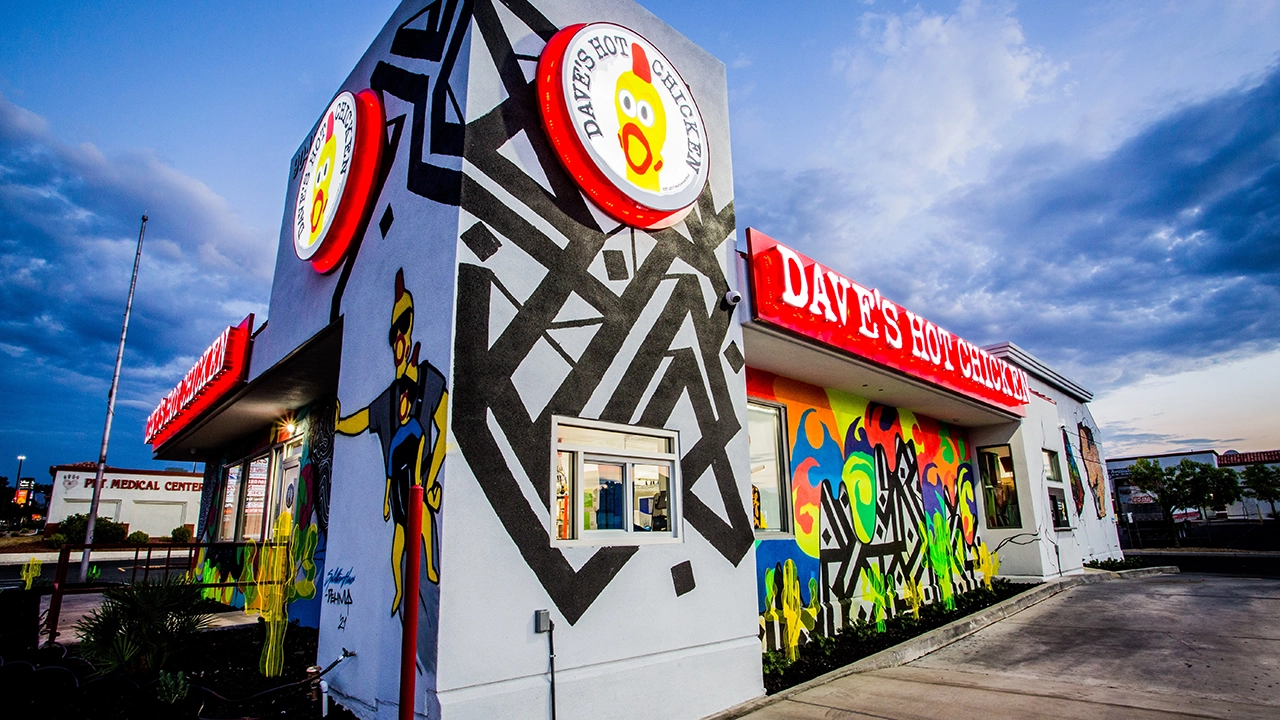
(1161, 254)
(68, 228)
(1124, 439)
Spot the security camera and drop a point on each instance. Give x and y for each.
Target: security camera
(732, 298)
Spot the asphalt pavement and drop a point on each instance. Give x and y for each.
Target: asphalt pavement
(1169, 646)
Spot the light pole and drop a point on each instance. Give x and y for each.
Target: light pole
(111, 410)
(17, 483)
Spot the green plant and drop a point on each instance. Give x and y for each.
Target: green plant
(180, 534)
(774, 662)
(139, 627)
(1114, 565)
(171, 688)
(137, 537)
(56, 540)
(105, 530)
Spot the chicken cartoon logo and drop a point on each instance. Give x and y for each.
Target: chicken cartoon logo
(336, 178)
(642, 122)
(624, 123)
(409, 419)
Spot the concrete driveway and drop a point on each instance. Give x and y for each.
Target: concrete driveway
(1169, 646)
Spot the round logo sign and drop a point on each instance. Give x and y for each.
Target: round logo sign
(624, 123)
(337, 178)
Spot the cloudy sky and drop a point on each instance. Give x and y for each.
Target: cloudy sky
(1098, 182)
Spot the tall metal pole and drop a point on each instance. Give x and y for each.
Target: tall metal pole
(111, 409)
(17, 484)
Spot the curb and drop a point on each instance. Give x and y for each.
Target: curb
(922, 645)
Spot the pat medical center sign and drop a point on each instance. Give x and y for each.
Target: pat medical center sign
(794, 292)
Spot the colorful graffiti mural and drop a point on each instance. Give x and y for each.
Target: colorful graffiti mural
(1093, 469)
(1073, 471)
(300, 529)
(884, 515)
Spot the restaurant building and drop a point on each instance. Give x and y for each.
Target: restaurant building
(508, 274)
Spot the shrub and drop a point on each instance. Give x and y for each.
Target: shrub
(1114, 565)
(105, 530)
(56, 540)
(139, 627)
(137, 537)
(171, 688)
(180, 534)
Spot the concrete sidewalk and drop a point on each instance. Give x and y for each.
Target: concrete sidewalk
(1169, 646)
(76, 606)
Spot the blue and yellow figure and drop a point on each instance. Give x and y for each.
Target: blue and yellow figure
(412, 452)
(642, 122)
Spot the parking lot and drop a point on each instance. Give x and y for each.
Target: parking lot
(1169, 646)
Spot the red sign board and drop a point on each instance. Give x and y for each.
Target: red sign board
(798, 294)
(222, 367)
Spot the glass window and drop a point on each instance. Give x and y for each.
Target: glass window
(1058, 506)
(999, 487)
(613, 440)
(230, 502)
(1052, 470)
(766, 437)
(255, 495)
(613, 484)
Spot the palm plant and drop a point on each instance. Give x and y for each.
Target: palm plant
(140, 627)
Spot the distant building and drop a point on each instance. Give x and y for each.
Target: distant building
(1144, 506)
(153, 501)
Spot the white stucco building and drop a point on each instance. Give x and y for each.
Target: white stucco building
(153, 501)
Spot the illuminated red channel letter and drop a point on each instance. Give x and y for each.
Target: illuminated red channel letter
(794, 292)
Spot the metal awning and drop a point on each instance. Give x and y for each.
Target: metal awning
(305, 375)
(782, 353)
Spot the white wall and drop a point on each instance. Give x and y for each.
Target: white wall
(626, 644)
(635, 648)
(1049, 552)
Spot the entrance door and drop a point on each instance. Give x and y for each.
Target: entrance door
(287, 492)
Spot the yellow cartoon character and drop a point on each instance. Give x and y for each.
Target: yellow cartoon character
(324, 174)
(412, 451)
(642, 122)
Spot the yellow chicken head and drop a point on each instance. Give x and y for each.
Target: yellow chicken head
(642, 122)
(324, 174)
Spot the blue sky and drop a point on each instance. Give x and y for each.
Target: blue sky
(1096, 181)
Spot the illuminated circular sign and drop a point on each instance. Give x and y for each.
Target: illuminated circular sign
(623, 123)
(337, 178)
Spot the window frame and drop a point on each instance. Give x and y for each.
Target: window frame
(278, 457)
(982, 475)
(1052, 459)
(238, 513)
(1066, 512)
(627, 535)
(784, 471)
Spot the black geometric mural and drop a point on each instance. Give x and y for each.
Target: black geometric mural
(596, 314)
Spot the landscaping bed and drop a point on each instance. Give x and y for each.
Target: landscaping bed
(823, 654)
(54, 683)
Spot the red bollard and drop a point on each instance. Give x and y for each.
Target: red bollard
(409, 603)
